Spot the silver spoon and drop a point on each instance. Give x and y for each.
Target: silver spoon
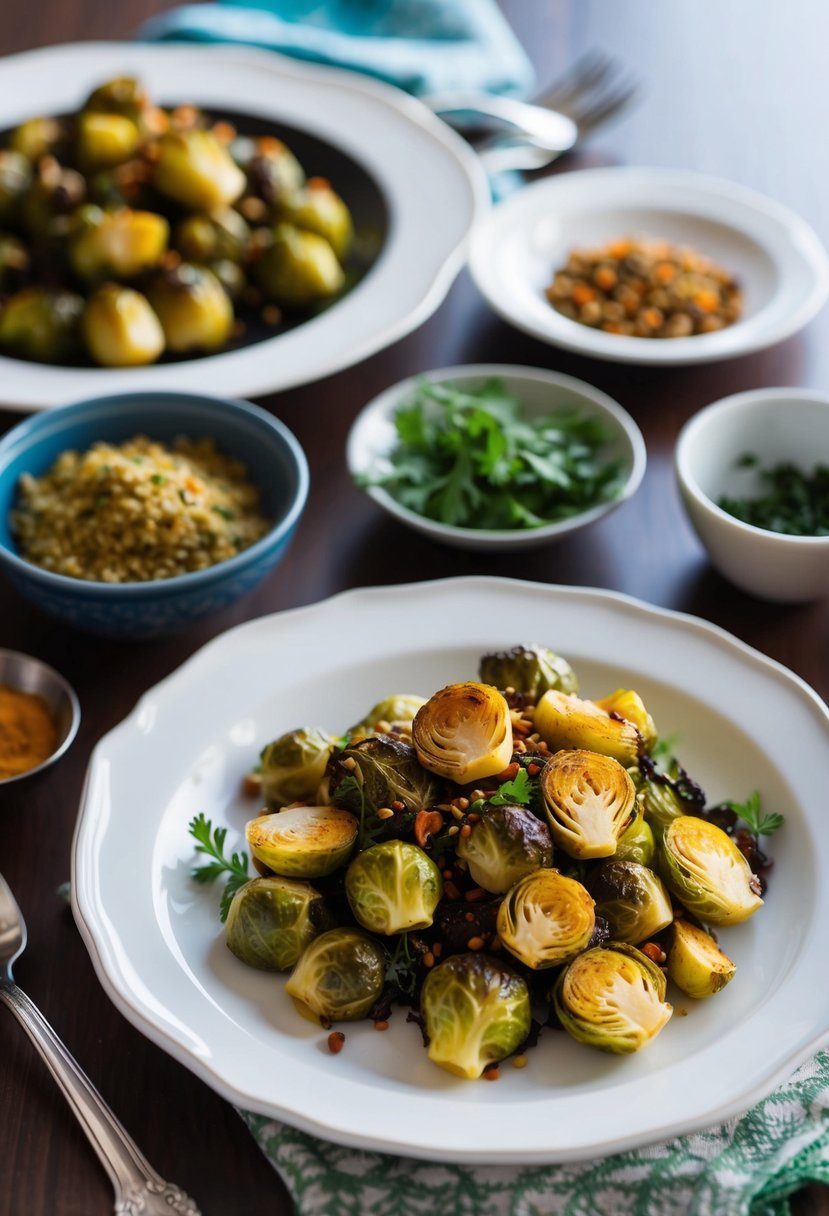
(138, 1188)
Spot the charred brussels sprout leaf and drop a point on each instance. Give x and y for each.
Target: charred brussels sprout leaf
(385, 770)
(505, 844)
(272, 920)
(546, 919)
(340, 975)
(632, 899)
(393, 887)
(695, 962)
(707, 872)
(665, 796)
(612, 997)
(589, 800)
(568, 722)
(476, 1012)
(293, 765)
(531, 670)
(305, 842)
(464, 733)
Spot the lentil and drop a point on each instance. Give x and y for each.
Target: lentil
(336, 1039)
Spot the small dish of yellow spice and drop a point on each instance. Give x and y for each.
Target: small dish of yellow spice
(39, 715)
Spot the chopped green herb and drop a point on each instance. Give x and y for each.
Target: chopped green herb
(751, 814)
(519, 790)
(470, 458)
(158, 479)
(793, 501)
(211, 843)
(224, 512)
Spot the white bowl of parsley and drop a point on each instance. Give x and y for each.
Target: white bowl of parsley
(753, 472)
(495, 457)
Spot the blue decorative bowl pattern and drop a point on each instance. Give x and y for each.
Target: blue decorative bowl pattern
(274, 459)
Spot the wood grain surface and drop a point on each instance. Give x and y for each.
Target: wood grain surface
(734, 89)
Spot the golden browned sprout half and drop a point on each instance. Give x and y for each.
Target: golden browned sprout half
(464, 733)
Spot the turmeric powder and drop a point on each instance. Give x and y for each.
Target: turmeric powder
(28, 735)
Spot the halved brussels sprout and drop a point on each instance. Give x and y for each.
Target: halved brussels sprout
(193, 307)
(546, 919)
(292, 766)
(476, 1011)
(612, 997)
(315, 207)
(398, 711)
(196, 170)
(629, 705)
(707, 872)
(393, 887)
(636, 842)
(205, 238)
(41, 324)
(386, 770)
(304, 842)
(464, 733)
(531, 670)
(340, 975)
(120, 243)
(298, 268)
(565, 721)
(271, 921)
(120, 329)
(105, 140)
(589, 801)
(504, 845)
(632, 899)
(695, 962)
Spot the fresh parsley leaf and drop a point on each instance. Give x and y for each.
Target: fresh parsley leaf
(751, 814)
(402, 968)
(210, 842)
(519, 790)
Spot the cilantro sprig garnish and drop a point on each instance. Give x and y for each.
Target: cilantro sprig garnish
(518, 790)
(210, 842)
(471, 458)
(751, 814)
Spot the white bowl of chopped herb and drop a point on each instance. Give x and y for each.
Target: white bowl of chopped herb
(495, 457)
(753, 472)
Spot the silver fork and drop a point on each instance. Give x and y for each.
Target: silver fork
(138, 1188)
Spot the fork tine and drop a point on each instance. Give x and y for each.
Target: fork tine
(605, 107)
(586, 73)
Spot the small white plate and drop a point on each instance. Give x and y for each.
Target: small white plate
(777, 257)
(411, 155)
(745, 722)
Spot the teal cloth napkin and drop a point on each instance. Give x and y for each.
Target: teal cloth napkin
(746, 1167)
(421, 45)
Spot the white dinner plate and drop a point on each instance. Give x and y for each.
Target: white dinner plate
(745, 723)
(432, 184)
(778, 259)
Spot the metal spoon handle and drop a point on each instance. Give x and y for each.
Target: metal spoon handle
(138, 1188)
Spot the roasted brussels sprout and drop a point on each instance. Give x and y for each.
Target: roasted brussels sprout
(41, 324)
(223, 234)
(695, 962)
(304, 842)
(632, 899)
(546, 919)
(476, 1011)
(120, 329)
(15, 179)
(565, 721)
(121, 95)
(384, 770)
(464, 733)
(396, 711)
(55, 191)
(707, 872)
(531, 670)
(292, 766)
(629, 705)
(104, 140)
(118, 244)
(589, 800)
(298, 268)
(340, 975)
(194, 169)
(317, 208)
(14, 263)
(193, 307)
(636, 842)
(665, 796)
(505, 844)
(272, 920)
(37, 137)
(612, 997)
(393, 887)
(272, 168)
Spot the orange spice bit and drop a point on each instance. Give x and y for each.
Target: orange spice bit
(706, 301)
(664, 272)
(397, 805)
(318, 183)
(336, 1039)
(28, 736)
(252, 785)
(225, 132)
(475, 895)
(533, 770)
(253, 208)
(426, 824)
(620, 249)
(465, 832)
(653, 952)
(437, 949)
(469, 916)
(429, 959)
(474, 817)
(382, 1024)
(492, 1073)
(269, 143)
(582, 294)
(605, 278)
(475, 943)
(184, 116)
(519, 1061)
(271, 315)
(509, 773)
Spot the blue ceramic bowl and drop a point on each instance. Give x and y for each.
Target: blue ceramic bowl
(276, 464)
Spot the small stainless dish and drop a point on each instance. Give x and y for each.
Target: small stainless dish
(22, 672)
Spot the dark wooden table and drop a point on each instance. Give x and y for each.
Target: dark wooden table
(731, 89)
